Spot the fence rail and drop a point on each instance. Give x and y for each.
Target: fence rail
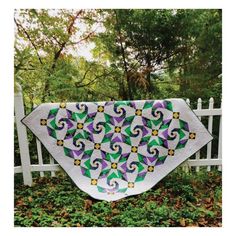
(27, 168)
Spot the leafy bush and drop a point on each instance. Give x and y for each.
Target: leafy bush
(180, 199)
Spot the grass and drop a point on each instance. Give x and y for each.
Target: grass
(180, 199)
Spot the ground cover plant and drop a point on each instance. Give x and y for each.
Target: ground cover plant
(180, 199)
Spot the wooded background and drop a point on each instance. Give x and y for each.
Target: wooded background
(135, 54)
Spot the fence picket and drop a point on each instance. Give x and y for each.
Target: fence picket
(185, 164)
(210, 125)
(22, 138)
(40, 156)
(52, 163)
(199, 107)
(39, 153)
(188, 101)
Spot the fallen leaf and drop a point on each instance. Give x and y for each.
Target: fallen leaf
(182, 222)
(88, 204)
(20, 202)
(55, 223)
(202, 222)
(115, 211)
(209, 206)
(64, 213)
(30, 199)
(113, 204)
(193, 225)
(208, 200)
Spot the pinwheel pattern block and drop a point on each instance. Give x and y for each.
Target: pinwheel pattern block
(115, 149)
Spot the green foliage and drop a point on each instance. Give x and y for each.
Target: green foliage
(181, 199)
(137, 54)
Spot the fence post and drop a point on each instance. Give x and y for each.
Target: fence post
(22, 137)
(199, 107)
(210, 125)
(220, 143)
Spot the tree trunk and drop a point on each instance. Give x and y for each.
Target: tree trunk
(149, 87)
(125, 64)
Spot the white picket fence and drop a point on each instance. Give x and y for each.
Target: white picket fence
(27, 168)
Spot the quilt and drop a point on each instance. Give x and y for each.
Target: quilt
(115, 149)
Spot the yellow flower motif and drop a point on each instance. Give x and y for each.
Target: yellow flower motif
(62, 105)
(192, 135)
(176, 115)
(171, 152)
(94, 181)
(100, 109)
(77, 162)
(60, 142)
(138, 112)
(150, 168)
(77, 144)
(117, 129)
(80, 126)
(114, 165)
(130, 185)
(43, 122)
(155, 132)
(97, 146)
(134, 149)
(110, 193)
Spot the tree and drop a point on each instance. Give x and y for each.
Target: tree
(147, 43)
(138, 54)
(198, 68)
(44, 43)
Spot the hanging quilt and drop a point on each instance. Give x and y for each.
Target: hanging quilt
(115, 149)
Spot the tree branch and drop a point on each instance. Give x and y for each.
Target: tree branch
(69, 30)
(85, 38)
(92, 81)
(29, 38)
